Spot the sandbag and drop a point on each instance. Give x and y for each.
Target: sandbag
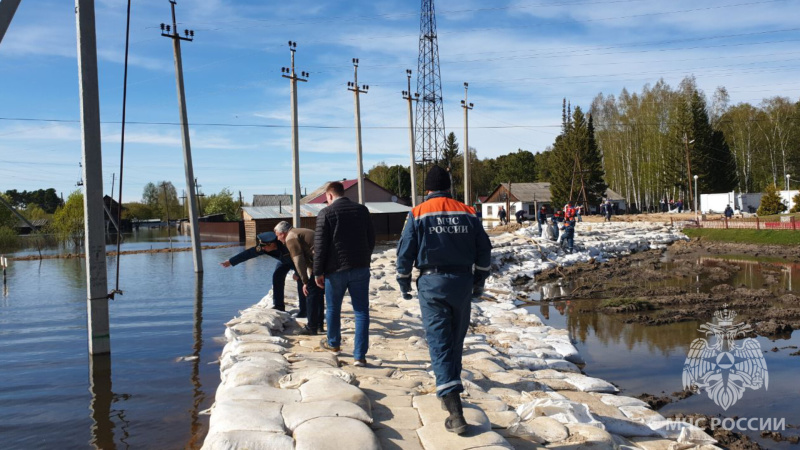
(333, 388)
(247, 415)
(265, 359)
(296, 414)
(261, 393)
(323, 357)
(247, 440)
(299, 377)
(335, 433)
(248, 373)
(564, 411)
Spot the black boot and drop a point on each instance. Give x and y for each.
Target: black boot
(455, 423)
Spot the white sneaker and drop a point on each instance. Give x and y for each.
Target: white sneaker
(360, 363)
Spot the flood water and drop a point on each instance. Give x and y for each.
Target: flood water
(640, 358)
(53, 395)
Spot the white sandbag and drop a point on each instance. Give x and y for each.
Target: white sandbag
(560, 364)
(297, 378)
(589, 384)
(255, 392)
(239, 329)
(250, 373)
(564, 411)
(327, 358)
(566, 349)
(674, 429)
(262, 338)
(296, 414)
(531, 363)
(247, 440)
(333, 388)
(335, 433)
(246, 415)
(230, 358)
(240, 347)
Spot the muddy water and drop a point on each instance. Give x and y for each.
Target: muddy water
(52, 395)
(641, 358)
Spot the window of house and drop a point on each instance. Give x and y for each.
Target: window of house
(488, 210)
(532, 209)
(512, 209)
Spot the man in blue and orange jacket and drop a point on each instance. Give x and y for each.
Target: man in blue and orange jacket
(445, 240)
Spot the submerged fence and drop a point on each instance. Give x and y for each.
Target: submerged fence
(751, 223)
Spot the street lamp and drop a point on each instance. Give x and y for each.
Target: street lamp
(696, 194)
(787, 181)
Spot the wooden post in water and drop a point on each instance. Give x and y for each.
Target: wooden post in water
(95, 245)
(4, 263)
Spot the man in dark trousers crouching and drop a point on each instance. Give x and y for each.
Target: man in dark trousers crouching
(445, 240)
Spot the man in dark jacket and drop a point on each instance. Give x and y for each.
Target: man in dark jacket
(728, 212)
(444, 239)
(520, 215)
(344, 242)
(268, 244)
(541, 217)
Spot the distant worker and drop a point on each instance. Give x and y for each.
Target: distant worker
(344, 243)
(267, 244)
(679, 205)
(569, 210)
(300, 243)
(520, 216)
(579, 213)
(568, 235)
(501, 214)
(558, 218)
(541, 217)
(443, 238)
(728, 212)
(607, 209)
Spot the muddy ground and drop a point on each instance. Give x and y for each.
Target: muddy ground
(658, 287)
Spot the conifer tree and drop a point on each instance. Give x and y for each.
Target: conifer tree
(771, 202)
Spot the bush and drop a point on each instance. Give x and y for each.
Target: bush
(771, 202)
(796, 207)
(9, 241)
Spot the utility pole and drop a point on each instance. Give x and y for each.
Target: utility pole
(7, 10)
(197, 195)
(353, 86)
(289, 72)
(688, 167)
(467, 176)
(166, 208)
(95, 245)
(430, 130)
(188, 35)
(413, 167)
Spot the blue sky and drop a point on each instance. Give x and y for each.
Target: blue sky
(520, 58)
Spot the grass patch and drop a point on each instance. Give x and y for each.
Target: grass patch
(627, 304)
(767, 237)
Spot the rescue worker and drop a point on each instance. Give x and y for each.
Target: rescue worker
(568, 234)
(569, 210)
(267, 243)
(444, 239)
(501, 214)
(541, 217)
(520, 215)
(558, 218)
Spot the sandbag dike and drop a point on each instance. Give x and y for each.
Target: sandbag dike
(524, 386)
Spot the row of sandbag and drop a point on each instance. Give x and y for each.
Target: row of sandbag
(271, 398)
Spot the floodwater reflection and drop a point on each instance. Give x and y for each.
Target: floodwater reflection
(197, 347)
(100, 387)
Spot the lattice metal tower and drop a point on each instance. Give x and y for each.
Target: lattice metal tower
(429, 122)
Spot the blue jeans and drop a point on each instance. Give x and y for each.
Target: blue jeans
(445, 300)
(314, 306)
(356, 281)
(278, 282)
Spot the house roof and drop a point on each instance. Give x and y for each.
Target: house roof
(530, 192)
(38, 223)
(272, 200)
(318, 194)
(312, 209)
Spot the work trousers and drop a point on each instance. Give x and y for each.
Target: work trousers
(355, 281)
(445, 300)
(278, 283)
(315, 306)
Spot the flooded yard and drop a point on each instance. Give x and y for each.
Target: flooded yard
(148, 394)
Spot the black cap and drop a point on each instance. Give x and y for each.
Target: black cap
(437, 179)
